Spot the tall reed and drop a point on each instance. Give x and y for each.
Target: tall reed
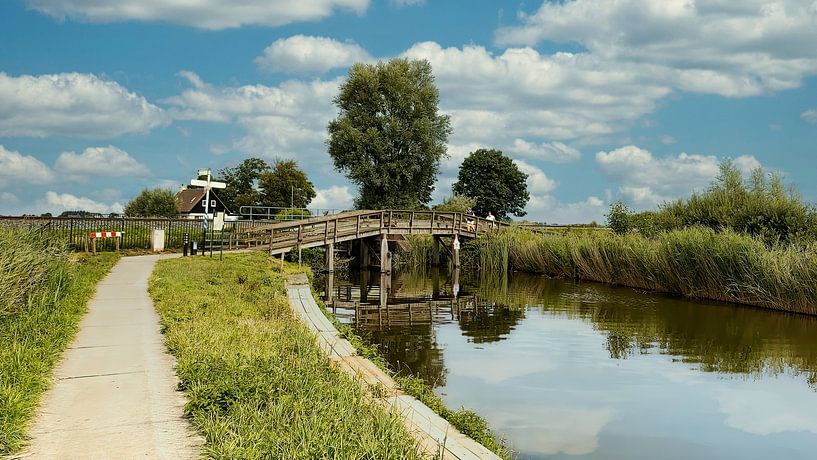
(28, 262)
(695, 262)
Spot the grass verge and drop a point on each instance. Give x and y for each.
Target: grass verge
(258, 384)
(45, 294)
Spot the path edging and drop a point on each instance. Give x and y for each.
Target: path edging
(435, 434)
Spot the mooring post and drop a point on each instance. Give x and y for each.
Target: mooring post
(330, 257)
(282, 260)
(455, 252)
(385, 255)
(435, 252)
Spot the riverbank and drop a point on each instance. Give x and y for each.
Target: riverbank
(259, 385)
(45, 290)
(693, 262)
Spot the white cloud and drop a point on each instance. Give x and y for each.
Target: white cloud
(72, 104)
(336, 197)
(304, 54)
(647, 181)
(59, 202)
(401, 3)
(16, 169)
(734, 49)
(538, 181)
(810, 116)
(556, 152)
(667, 140)
(206, 14)
(549, 209)
(100, 161)
(8, 199)
(285, 120)
(523, 94)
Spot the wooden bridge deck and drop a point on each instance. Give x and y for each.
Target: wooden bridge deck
(281, 237)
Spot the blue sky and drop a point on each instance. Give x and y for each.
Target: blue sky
(596, 100)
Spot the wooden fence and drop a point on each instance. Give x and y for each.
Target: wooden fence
(74, 230)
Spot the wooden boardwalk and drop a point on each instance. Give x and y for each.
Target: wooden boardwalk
(435, 435)
(281, 237)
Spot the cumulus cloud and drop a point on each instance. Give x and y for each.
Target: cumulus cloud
(335, 197)
(59, 202)
(647, 181)
(16, 169)
(72, 104)
(538, 181)
(549, 209)
(9, 199)
(100, 161)
(285, 120)
(205, 14)
(709, 46)
(522, 94)
(402, 3)
(810, 116)
(556, 152)
(305, 54)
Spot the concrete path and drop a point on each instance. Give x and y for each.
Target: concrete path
(114, 394)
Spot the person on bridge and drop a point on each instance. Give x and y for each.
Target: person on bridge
(490, 217)
(470, 222)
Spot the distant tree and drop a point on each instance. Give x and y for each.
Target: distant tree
(157, 202)
(46, 214)
(389, 137)
(619, 218)
(285, 185)
(79, 213)
(242, 183)
(456, 203)
(495, 181)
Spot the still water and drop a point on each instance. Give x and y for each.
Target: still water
(568, 370)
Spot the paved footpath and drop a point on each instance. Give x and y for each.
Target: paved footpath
(114, 394)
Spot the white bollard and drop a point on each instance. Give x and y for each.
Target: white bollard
(157, 240)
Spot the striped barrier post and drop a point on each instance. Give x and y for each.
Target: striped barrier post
(93, 236)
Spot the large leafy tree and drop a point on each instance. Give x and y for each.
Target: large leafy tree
(389, 137)
(285, 185)
(157, 202)
(242, 182)
(495, 181)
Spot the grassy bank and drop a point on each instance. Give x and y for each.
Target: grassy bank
(695, 262)
(257, 382)
(44, 291)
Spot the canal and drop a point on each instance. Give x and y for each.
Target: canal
(567, 370)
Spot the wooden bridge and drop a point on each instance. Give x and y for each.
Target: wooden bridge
(369, 226)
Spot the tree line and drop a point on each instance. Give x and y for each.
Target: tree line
(388, 139)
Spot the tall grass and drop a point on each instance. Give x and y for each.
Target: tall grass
(44, 293)
(258, 384)
(695, 262)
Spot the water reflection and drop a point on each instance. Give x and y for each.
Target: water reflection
(579, 370)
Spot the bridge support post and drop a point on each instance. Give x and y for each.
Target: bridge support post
(385, 255)
(364, 255)
(435, 252)
(330, 257)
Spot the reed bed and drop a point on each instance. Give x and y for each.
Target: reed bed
(695, 262)
(258, 384)
(44, 290)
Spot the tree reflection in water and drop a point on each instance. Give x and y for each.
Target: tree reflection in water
(714, 337)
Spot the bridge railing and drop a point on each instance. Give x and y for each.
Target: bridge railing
(318, 231)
